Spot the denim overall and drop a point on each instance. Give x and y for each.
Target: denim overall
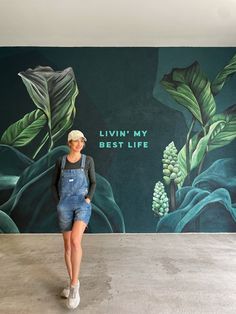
(73, 187)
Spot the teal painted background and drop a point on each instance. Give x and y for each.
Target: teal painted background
(119, 89)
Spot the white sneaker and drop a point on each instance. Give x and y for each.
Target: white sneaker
(74, 297)
(65, 292)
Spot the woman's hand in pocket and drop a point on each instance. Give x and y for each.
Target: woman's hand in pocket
(87, 200)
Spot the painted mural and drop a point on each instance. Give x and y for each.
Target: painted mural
(160, 124)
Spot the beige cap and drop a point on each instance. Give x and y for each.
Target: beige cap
(75, 135)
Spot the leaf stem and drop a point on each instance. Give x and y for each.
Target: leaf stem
(50, 136)
(188, 156)
(202, 162)
(204, 156)
(172, 195)
(44, 140)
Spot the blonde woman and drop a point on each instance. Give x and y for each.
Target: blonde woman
(73, 187)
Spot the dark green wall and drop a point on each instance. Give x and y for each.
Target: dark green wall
(119, 89)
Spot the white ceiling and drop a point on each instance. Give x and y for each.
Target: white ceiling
(117, 23)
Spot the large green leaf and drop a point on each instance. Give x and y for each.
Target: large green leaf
(54, 93)
(7, 225)
(197, 149)
(223, 75)
(191, 89)
(61, 129)
(225, 132)
(24, 130)
(198, 146)
(32, 207)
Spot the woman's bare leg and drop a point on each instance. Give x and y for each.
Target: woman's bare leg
(67, 251)
(76, 249)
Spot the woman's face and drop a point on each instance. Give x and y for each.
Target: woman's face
(76, 146)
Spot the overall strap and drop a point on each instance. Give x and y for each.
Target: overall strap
(83, 161)
(63, 162)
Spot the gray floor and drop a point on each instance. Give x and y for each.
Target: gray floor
(121, 273)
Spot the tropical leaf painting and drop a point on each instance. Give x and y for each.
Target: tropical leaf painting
(223, 75)
(195, 195)
(191, 88)
(215, 186)
(35, 180)
(30, 207)
(199, 145)
(7, 225)
(225, 132)
(25, 130)
(54, 95)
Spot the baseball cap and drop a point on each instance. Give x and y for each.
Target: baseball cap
(74, 135)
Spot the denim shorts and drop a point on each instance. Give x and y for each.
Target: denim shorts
(71, 208)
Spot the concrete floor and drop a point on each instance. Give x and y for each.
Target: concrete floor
(121, 273)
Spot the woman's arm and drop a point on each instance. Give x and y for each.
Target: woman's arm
(55, 180)
(92, 179)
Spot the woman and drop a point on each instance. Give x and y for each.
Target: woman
(73, 187)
